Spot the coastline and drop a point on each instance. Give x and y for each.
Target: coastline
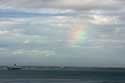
(59, 68)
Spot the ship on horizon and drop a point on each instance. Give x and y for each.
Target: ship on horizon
(14, 67)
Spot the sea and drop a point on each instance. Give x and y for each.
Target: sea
(87, 75)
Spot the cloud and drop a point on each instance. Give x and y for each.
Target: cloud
(98, 19)
(27, 13)
(38, 31)
(32, 52)
(3, 32)
(64, 4)
(12, 21)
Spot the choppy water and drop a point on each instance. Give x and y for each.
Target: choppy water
(56, 76)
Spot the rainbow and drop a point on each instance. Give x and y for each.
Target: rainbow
(77, 35)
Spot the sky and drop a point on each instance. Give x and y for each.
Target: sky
(62, 32)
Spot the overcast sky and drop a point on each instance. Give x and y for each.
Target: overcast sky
(62, 32)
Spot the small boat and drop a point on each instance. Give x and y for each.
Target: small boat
(15, 67)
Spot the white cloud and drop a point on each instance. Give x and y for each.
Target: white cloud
(64, 4)
(2, 32)
(98, 19)
(12, 21)
(26, 41)
(32, 52)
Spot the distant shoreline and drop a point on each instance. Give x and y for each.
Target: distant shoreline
(68, 68)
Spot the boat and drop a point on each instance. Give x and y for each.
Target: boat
(15, 67)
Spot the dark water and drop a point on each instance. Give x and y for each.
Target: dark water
(63, 76)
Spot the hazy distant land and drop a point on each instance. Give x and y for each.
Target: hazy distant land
(67, 68)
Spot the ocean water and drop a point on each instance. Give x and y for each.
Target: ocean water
(63, 76)
(55, 81)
